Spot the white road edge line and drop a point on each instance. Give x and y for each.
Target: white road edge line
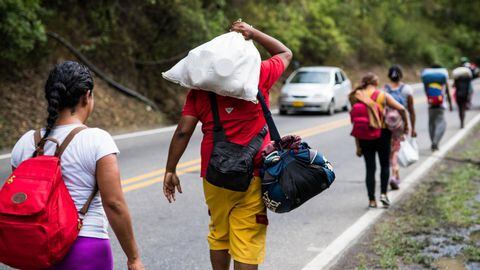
(332, 253)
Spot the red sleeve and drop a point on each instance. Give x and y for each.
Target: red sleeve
(270, 71)
(189, 107)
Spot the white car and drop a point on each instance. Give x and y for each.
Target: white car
(315, 89)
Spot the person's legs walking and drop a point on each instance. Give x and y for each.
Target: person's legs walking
(462, 107)
(437, 125)
(248, 228)
(395, 176)
(440, 125)
(383, 148)
(368, 152)
(218, 208)
(431, 125)
(220, 259)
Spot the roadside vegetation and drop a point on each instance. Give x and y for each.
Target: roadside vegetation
(438, 227)
(134, 41)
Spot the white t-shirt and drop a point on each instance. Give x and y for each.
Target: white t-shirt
(78, 168)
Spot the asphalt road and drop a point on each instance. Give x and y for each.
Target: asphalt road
(173, 236)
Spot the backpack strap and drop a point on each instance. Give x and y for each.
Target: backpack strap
(37, 136)
(274, 134)
(218, 131)
(388, 88)
(83, 211)
(375, 95)
(69, 139)
(40, 143)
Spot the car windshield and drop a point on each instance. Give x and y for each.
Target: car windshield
(311, 77)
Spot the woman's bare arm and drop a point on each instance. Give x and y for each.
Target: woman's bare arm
(108, 179)
(411, 112)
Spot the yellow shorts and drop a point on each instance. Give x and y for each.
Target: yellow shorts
(238, 221)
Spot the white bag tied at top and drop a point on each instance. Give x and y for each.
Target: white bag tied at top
(462, 72)
(227, 65)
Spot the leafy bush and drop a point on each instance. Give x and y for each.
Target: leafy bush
(20, 29)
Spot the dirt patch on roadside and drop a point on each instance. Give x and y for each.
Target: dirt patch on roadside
(436, 227)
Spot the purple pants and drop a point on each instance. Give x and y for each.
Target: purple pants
(87, 253)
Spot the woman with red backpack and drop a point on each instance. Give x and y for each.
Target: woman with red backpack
(403, 94)
(371, 134)
(88, 162)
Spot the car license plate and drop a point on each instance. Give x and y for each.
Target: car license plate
(298, 104)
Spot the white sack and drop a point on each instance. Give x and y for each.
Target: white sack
(408, 153)
(462, 72)
(228, 65)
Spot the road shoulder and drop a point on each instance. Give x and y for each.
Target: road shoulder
(437, 226)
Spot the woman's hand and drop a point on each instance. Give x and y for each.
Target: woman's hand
(135, 265)
(243, 28)
(170, 182)
(359, 152)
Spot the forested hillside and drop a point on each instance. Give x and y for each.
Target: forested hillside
(135, 40)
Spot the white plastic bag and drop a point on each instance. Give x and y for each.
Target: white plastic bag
(408, 153)
(228, 65)
(462, 72)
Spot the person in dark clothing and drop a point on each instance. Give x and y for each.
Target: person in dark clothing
(463, 92)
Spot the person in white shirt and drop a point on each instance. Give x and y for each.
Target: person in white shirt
(90, 160)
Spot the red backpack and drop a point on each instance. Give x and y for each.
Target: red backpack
(38, 218)
(361, 121)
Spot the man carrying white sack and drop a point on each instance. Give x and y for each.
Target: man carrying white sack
(238, 220)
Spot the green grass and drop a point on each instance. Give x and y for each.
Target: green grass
(459, 190)
(472, 253)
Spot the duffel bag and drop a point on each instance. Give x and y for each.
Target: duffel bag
(293, 176)
(292, 172)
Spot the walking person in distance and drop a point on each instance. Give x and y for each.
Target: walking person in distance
(435, 81)
(372, 137)
(403, 94)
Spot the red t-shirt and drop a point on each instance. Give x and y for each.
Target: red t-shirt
(242, 120)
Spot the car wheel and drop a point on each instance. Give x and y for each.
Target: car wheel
(347, 107)
(283, 112)
(331, 108)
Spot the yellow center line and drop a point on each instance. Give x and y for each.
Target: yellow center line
(158, 179)
(157, 172)
(195, 166)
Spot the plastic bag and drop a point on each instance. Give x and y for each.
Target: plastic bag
(462, 72)
(228, 65)
(408, 153)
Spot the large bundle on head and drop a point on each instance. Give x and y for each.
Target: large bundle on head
(462, 72)
(228, 65)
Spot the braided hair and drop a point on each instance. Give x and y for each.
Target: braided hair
(66, 84)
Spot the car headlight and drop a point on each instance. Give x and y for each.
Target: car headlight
(283, 95)
(319, 96)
